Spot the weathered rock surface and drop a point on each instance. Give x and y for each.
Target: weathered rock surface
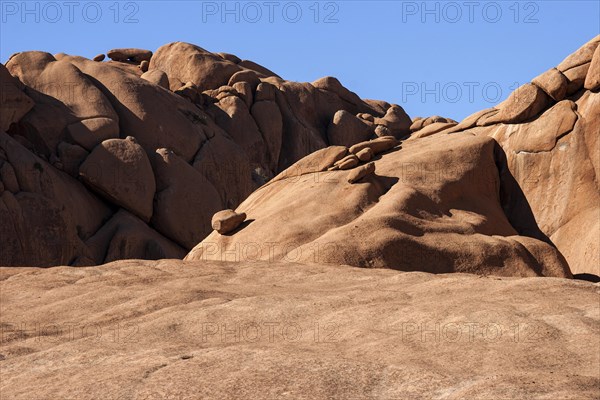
(414, 213)
(120, 170)
(552, 158)
(149, 330)
(232, 125)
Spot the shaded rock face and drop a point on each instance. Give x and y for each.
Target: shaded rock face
(94, 152)
(552, 146)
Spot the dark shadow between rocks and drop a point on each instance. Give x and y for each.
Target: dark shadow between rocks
(587, 277)
(513, 201)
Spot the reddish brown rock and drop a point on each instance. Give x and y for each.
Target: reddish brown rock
(157, 77)
(227, 221)
(398, 218)
(359, 173)
(553, 82)
(592, 80)
(365, 154)
(396, 120)
(185, 62)
(245, 76)
(523, 104)
(136, 55)
(582, 56)
(184, 200)
(14, 103)
(99, 58)
(378, 145)
(576, 77)
(346, 129)
(144, 66)
(120, 170)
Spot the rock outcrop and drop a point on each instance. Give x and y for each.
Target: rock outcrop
(154, 154)
(549, 132)
(221, 126)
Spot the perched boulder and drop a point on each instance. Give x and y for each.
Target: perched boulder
(358, 173)
(245, 76)
(135, 55)
(99, 58)
(227, 221)
(378, 145)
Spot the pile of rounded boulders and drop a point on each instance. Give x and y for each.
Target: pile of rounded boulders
(129, 54)
(258, 122)
(227, 221)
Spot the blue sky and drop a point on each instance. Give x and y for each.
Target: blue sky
(432, 57)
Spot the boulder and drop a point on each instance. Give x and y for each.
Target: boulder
(135, 55)
(185, 62)
(576, 77)
(227, 221)
(365, 154)
(245, 76)
(348, 162)
(358, 173)
(125, 236)
(522, 104)
(378, 145)
(119, 170)
(396, 120)
(157, 77)
(582, 56)
(553, 82)
(144, 66)
(99, 58)
(346, 129)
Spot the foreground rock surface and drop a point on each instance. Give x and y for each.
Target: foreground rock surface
(172, 329)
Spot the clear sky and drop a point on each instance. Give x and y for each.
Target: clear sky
(450, 58)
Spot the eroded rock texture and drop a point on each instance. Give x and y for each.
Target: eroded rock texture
(150, 145)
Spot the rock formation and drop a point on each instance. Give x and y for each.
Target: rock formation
(153, 144)
(85, 142)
